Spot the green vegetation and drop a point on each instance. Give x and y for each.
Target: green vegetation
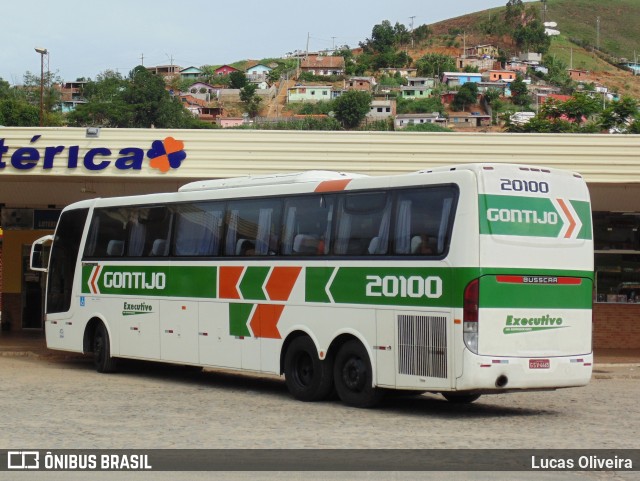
(420, 106)
(139, 101)
(426, 127)
(583, 114)
(351, 108)
(618, 23)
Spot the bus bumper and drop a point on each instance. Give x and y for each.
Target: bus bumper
(502, 374)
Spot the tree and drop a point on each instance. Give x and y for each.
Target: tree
(558, 74)
(434, 64)
(352, 107)
(514, 13)
(237, 80)
(468, 94)
(139, 101)
(532, 37)
(620, 115)
(18, 113)
(250, 100)
(576, 109)
(519, 92)
(383, 37)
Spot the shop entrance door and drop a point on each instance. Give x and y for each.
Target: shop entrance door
(32, 294)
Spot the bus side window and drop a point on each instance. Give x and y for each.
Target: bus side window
(198, 229)
(363, 224)
(423, 220)
(307, 225)
(107, 233)
(256, 221)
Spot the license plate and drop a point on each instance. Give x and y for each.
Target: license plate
(539, 364)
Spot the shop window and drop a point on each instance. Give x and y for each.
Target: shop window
(617, 256)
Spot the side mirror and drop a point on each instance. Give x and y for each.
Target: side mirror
(36, 259)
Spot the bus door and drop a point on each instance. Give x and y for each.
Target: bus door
(32, 293)
(62, 272)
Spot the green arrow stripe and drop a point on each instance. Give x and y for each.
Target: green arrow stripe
(238, 319)
(252, 282)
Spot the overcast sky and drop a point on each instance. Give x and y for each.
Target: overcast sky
(86, 38)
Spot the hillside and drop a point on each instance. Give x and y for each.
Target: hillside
(576, 19)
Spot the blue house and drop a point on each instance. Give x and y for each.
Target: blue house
(453, 79)
(190, 72)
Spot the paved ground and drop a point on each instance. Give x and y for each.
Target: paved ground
(57, 401)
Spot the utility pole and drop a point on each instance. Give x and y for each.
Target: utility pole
(412, 17)
(142, 59)
(598, 33)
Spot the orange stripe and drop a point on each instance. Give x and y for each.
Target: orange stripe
(332, 185)
(94, 278)
(264, 322)
(572, 222)
(281, 282)
(229, 277)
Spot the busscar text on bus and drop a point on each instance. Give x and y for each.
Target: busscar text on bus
(466, 280)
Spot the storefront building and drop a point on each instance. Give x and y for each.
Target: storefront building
(44, 169)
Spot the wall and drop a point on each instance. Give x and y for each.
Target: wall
(1, 288)
(229, 153)
(616, 326)
(11, 260)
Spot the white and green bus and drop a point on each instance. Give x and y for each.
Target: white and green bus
(469, 280)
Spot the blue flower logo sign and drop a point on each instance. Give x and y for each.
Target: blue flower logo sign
(166, 154)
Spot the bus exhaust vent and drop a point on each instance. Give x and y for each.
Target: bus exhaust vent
(422, 346)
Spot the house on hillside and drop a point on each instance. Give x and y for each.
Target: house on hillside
(258, 73)
(200, 109)
(309, 93)
(517, 66)
(225, 70)
(503, 87)
(322, 65)
(501, 75)
(454, 79)
(365, 84)
(487, 50)
(469, 119)
(403, 120)
(227, 122)
(531, 57)
(481, 63)
(578, 74)
(413, 93)
(421, 82)
(71, 95)
(382, 109)
(191, 73)
(168, 72)
(404, 72)
(203, 91)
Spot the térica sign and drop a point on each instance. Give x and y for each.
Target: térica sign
(164, 155)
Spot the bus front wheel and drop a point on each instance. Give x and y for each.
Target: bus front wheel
(353, 376)
(102, 359)
(307, 377)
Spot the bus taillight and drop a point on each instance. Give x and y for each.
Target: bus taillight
(470, 315)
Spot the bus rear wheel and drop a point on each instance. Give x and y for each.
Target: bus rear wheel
(102, 359)
(307, 377)
(353, 376)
